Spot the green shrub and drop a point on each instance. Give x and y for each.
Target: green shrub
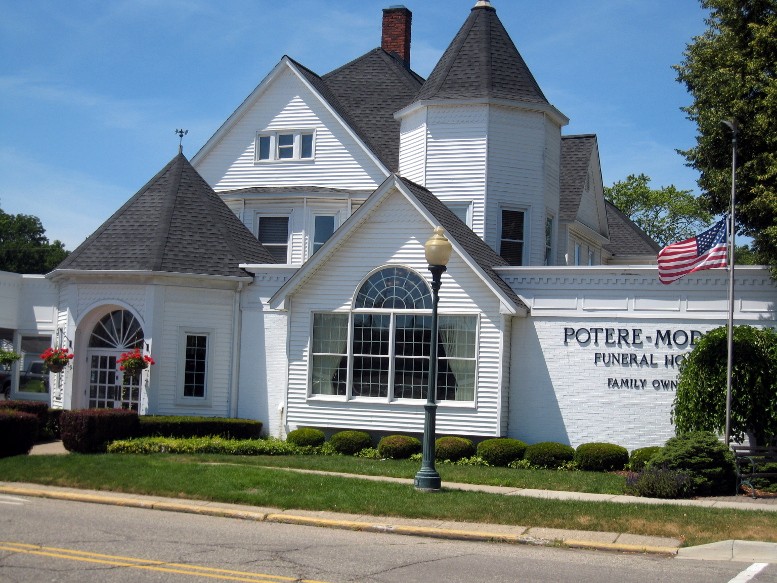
(501, 451)
(306, 437)
(38, 408)
(398, 447)
(187, 426)
(708, 462)
(453, 448)
(601, 457)
(640, 457)
(549, 454)
(214, 445)
(350, 442)
(661, 482)
(52, 430)
(17, 432)
(91, 430)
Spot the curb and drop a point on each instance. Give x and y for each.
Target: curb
(383, 528)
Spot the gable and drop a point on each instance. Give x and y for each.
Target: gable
(286, 102)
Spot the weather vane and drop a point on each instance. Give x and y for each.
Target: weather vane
(181, 134)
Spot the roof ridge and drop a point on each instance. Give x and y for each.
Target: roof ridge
(166, 216)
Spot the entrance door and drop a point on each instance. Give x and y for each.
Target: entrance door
(109, 388)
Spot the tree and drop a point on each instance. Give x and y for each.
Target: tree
(700, 402)
(666, 214)
(731, 73)
(24, 247)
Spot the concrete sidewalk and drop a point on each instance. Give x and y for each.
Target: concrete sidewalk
(612, 541)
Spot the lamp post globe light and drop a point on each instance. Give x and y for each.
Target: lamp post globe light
(438, 251)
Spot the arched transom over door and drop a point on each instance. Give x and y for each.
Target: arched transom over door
(115, 333)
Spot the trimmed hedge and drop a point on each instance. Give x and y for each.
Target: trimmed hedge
(350, 442)
(703, 458)
(213, 445)
(601, 457)
(659, 483)
(306, 437)
(640, 457)
(91, 430)
(38, 408)
(187, 426)
(549, 454)
(17, 432)
(398, 447)
(453, 448)
(501, 451)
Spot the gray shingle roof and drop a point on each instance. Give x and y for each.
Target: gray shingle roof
(576, 154)
(176, 223)
(476, 248)
(626, 238)
(482, 61)
(372, 88)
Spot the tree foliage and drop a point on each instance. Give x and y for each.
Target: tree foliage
(700, 402)
(24, 247)
(730, 71)
(666, 214)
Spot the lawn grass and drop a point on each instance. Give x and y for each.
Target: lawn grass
(235, 480)
(590, 482)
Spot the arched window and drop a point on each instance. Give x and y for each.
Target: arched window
(381, 348)
(394, 288)
(119, 329)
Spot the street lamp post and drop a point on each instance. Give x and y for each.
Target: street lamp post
(438, 252)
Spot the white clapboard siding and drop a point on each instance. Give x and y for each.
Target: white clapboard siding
(456, 156)
(393, 234)
(196, 310)
(552, 168)
(412, 147)
(287, 104)
(516, 175)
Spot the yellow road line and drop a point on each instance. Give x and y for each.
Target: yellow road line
(146, 564)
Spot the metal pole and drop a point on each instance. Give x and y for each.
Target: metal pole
(427, 478)
(731, 241)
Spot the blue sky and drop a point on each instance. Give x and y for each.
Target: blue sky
(91, 91)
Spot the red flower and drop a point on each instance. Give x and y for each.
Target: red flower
(57, 356)
(134, 361)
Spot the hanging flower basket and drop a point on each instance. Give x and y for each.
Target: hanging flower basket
(56, 359)
(8, 357)
(132, 363)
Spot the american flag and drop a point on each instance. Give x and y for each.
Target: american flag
(703, 251)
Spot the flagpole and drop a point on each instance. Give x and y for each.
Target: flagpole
(734, 127)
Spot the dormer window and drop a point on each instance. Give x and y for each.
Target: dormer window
(285, 145)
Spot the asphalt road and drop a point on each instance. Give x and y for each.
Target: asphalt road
(63, 541)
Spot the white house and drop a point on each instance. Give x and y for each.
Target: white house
(280, 274)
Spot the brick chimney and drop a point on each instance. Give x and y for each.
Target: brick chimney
(396, 32)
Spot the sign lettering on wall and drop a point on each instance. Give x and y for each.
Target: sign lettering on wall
(632, 353)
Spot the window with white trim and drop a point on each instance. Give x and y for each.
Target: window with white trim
(578, 253)
(381, 348)
(285, 145)
(511, 240)
(548, 241)
(273, 232)
(463, 210)
(195, 366)
(323, 228)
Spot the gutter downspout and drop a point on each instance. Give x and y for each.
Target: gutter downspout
(237, 330)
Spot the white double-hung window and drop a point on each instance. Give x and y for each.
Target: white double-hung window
(285, 145)
(380, 349)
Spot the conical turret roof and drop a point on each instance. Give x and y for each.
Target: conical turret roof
(482, 62)
(176, 223)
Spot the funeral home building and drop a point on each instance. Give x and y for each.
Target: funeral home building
(279, 274)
